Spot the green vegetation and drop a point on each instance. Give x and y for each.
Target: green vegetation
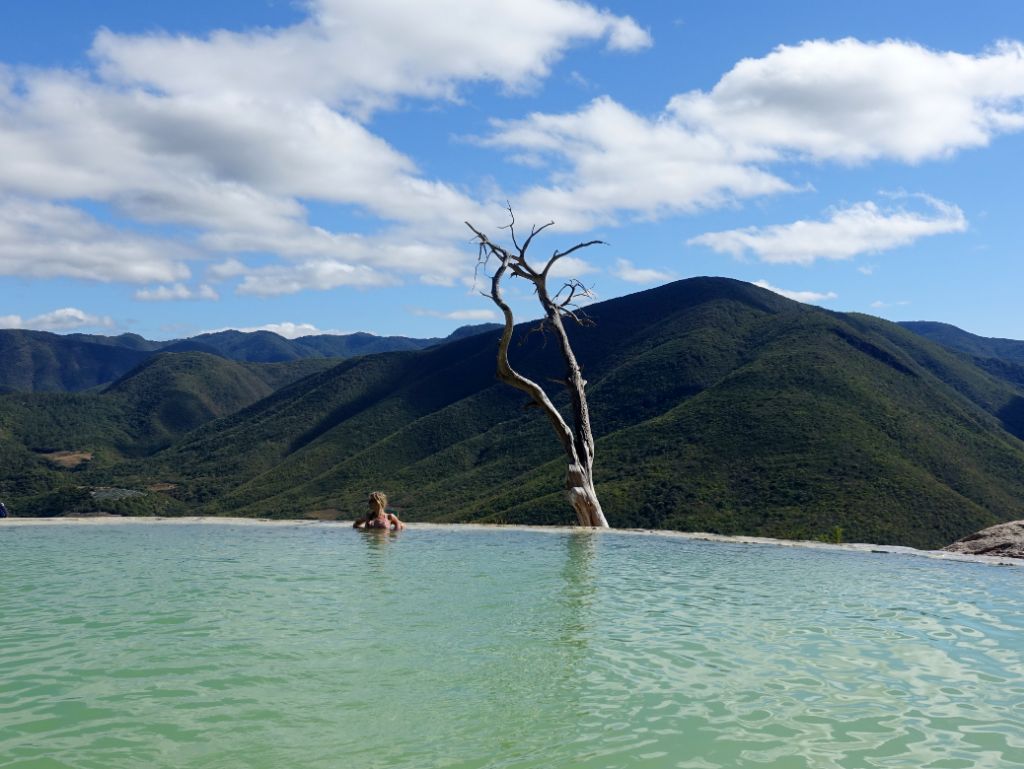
(957, 339)
(38, 361)
(717, 406)
(140, 414)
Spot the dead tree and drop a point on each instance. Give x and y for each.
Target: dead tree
(577, 440)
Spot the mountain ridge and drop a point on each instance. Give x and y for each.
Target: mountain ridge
(717, 406)
(42, 361)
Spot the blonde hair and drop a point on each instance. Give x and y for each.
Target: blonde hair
(378, 499)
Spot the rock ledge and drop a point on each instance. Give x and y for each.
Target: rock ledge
(1004, 539)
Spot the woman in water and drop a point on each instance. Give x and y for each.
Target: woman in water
(378, 518)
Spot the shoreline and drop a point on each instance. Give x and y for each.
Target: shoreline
(853, 547)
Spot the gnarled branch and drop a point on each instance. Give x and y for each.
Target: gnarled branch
(577, 440)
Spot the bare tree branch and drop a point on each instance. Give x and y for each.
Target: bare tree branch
(577, 440)
(534, 231)
(559, 254)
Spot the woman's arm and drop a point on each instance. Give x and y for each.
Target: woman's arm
(359, 523)
(393, 519)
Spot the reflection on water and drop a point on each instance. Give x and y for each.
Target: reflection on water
(378, 544)
(221, 646)
(578, 592)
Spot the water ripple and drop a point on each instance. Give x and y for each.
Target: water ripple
(225, 646)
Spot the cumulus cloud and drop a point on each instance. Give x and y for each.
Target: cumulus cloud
(619, 161)
(234, 167)
(808, 297)
(229, 268)
(626, 270)
(317, 274)
(863, 228)
(571, 267)
(177, 291)
(230, 134)
(289, 330)
(434, 259)
(472, 315)
(844, 101)
(47, 240)
(64, 319)
(389, 48)
(851, 101)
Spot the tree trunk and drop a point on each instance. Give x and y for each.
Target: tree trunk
(578, 440)
(579, 486)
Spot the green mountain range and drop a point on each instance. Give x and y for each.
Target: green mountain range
(717, 406)
(1003, 358)
(38, 361)
(1010, 350)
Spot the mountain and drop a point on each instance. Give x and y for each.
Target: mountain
(717, 406)
(163, 398)
(1003, 358)
(268, 347)
(954, 338)
(480, 328)
(171, 394)
(128, 341)
(50, 439)
(39, 361)
(34, 361)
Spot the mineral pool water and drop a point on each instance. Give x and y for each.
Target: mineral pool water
(298, 646)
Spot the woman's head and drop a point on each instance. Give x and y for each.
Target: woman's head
(378, 501)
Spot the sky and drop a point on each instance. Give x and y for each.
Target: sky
(168, 169)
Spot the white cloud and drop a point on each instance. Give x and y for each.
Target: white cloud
(845, 101)
(808, 297)
(853, 101)
(621, 162)
(880, 305)
(866, 269)
(625, 270)
(176, 291)
(229, 164)
(316, 274)
(289, 330)
(471, 315)
(862, 228)
(229, 268)
(571, 267)
(64, 319)
(435, 260)
(366, 54)
(45, 240)
(231, 134)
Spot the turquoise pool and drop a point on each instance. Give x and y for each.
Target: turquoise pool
(190, 645)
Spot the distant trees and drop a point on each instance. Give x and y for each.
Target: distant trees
(577, 440)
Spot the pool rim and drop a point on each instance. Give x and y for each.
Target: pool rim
(700, 536)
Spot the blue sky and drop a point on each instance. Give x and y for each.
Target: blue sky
(173, 168)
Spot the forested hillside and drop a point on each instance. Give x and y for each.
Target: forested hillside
(38, 361)
(717, 406)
